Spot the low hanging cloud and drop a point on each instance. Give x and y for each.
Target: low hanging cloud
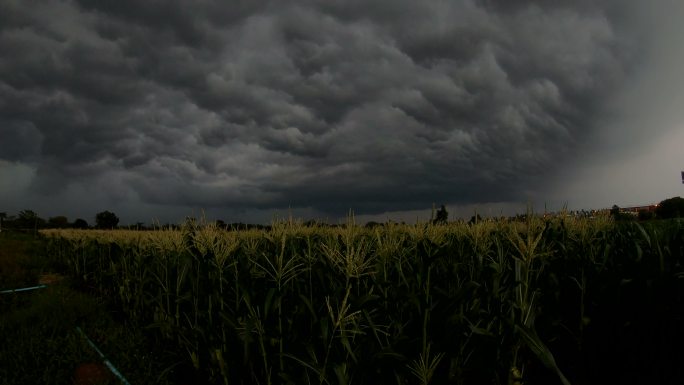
(377, 106)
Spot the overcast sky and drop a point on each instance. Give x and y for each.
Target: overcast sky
(249, 109)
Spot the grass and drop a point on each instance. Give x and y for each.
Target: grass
(17, 266)
(40, 344)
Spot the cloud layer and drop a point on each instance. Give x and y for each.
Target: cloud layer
(382, 105)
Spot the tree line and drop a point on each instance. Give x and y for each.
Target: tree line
(30, 220)
(666, 209)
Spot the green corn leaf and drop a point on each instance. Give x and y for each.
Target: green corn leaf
(269, 301)
(308, 366)
(306, 302)
(480, 331)
(325, 326)
(542, 352)
(348, 348)
(643, 233)
(341, 373)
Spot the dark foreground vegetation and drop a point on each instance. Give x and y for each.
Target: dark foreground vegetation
(561, 300)
(39, 343)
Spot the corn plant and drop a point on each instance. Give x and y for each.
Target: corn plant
(491, 301)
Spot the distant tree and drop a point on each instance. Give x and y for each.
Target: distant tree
(615, 211)
(372, 224)
(442, 216)
(58, 222)
(80, 224)
(3, 216)
(28, 219)
(671, 208)
(9, 222)
(475, 219)
(106, 220)
(237, 226)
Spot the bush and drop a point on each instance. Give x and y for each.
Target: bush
(671, 208)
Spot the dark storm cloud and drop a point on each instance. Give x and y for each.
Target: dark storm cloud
(20, 140)
(374, 105)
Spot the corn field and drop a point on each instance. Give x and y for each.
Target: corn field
(495, 302)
